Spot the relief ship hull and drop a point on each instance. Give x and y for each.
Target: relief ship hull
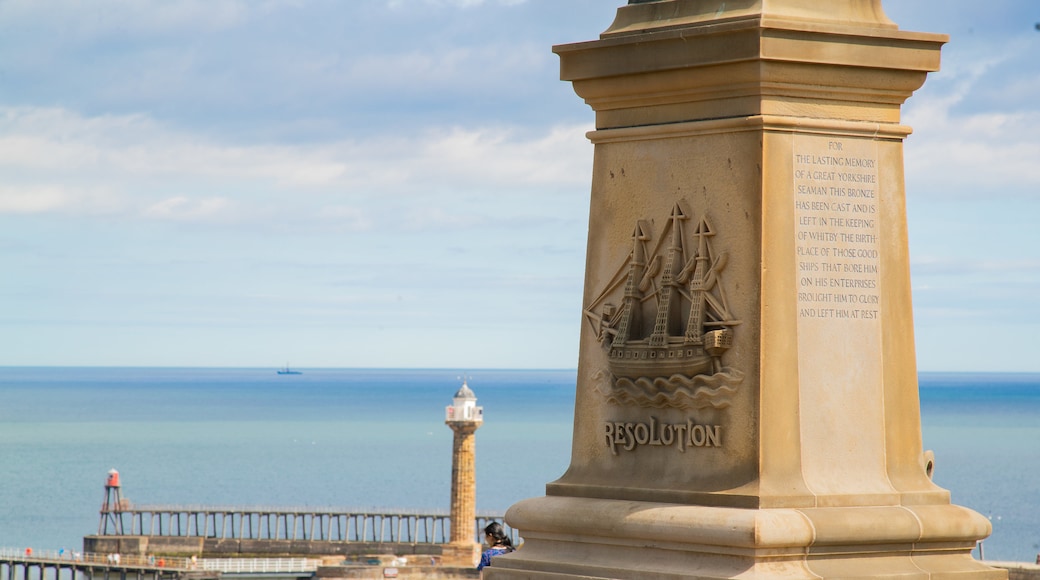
(634, 361)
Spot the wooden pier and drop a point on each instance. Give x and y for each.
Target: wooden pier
(303, 524)
(238, 532)
(307, 524)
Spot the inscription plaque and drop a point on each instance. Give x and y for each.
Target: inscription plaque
(839, 326)
(836, 213)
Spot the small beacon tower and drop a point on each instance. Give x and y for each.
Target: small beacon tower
(112, 507)
(464, 417)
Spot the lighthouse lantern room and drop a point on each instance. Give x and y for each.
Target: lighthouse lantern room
(464, 407)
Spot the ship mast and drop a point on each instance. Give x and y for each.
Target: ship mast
(660, 335)
(695, 325)
(635, 273)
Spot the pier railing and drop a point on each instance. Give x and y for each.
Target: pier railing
(154, 567)
(88, 559)
(296, 524)
(259, 565)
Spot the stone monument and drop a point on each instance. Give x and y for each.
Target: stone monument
(747, 401)
(464, 417)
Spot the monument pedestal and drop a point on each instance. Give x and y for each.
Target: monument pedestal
(747, 400)
(569, 538)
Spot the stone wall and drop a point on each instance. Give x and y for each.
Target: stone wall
(399, 572)
(140, 545)
(216, 548)
(1018, 570)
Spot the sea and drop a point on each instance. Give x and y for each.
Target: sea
(366, 439)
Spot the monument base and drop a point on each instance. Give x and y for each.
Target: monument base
(570, 538)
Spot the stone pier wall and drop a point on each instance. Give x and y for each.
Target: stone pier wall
(402, 573)
(1018, 570)
(216, 548)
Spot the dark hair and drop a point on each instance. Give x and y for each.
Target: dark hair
(498, 533)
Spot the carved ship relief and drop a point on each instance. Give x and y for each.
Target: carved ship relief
(666, 338)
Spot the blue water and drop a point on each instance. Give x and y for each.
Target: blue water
(985, 432)
(376, 438)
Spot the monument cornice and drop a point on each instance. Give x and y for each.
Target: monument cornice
(757, 66)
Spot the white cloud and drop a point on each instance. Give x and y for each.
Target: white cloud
(181, 208)
(137, 166)
(440, 219)
(83, 21)
(38, 200)
(120, 148)
(958, 150)
(346, 217)
(427, 76)
(501, 158)
(975, 155)
(44, 197)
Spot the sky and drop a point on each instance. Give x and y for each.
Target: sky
(405, 183)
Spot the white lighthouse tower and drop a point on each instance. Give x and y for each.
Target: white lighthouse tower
(464, 417)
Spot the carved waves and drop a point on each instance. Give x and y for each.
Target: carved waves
(676, 391)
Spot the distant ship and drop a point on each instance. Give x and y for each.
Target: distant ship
(288, 371)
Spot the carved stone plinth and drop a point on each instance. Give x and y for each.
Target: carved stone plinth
(747, 399)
